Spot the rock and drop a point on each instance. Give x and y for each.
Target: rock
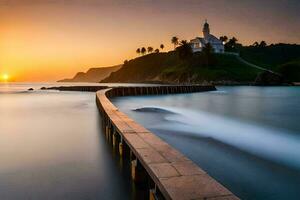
(268, 79)
(30, 89)
(43, 88)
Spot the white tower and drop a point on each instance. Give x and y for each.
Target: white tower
(206, 30)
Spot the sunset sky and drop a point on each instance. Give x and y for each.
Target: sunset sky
(47, 40)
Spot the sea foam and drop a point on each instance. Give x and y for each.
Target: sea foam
(281, 146)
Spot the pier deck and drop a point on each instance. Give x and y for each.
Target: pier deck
(168, 173)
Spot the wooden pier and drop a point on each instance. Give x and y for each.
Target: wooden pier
(167, 173)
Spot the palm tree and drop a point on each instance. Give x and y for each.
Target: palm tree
(143, 50)
(150, 49)
(183, 42)
(234, 40)
(174, 41)
(138, 51)
(262, 44)
(231, 45)
(156, 51)
(224, 38)
(255, 44)
(184, 50)
(162, 46)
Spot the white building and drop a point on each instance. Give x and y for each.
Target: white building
(199, 42)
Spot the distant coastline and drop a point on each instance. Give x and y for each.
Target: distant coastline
(93, 75)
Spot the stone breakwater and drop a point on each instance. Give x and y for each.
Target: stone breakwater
(165, 172)
(76, 88)
(145, 90)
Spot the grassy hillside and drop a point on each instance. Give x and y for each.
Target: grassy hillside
(168, 67)
(291, 71)
(271, 56)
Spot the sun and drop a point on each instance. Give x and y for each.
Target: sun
(5, 77)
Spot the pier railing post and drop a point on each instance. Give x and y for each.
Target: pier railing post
(155, 194)
(106, 131)
(114, 139)
(138, 172)
(121, 146)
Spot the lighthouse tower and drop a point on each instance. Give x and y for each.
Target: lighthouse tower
(206, 30)
(199, 42)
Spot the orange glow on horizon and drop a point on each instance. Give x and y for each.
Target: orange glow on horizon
(48, 42)
(5, 77)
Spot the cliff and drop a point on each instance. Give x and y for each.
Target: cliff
(93, 74)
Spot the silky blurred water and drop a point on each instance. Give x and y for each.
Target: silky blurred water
(52, 147)
(248, 138)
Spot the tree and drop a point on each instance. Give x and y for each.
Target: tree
(143, 50)
(231, 45)
(138, 51)
(150, 49)
(162, 46)
(207, 49)
(156, 51)
(233, 40)
(262, 44)
(290, 71)
(255, 44)
(224, 38)
(208, 56)
(184, 50)
(174, 41)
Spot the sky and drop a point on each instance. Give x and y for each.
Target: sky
(47, 40)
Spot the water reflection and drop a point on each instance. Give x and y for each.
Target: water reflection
(52, 147)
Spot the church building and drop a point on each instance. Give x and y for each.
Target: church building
(199, 42)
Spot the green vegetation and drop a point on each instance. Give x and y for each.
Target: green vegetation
(184, 51)
(291, 71)
(170, 67)
(231, 45)
(271, 56)
(281, 58)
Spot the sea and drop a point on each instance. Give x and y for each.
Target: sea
(247, 138)
(52, 147)
(52, 144)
